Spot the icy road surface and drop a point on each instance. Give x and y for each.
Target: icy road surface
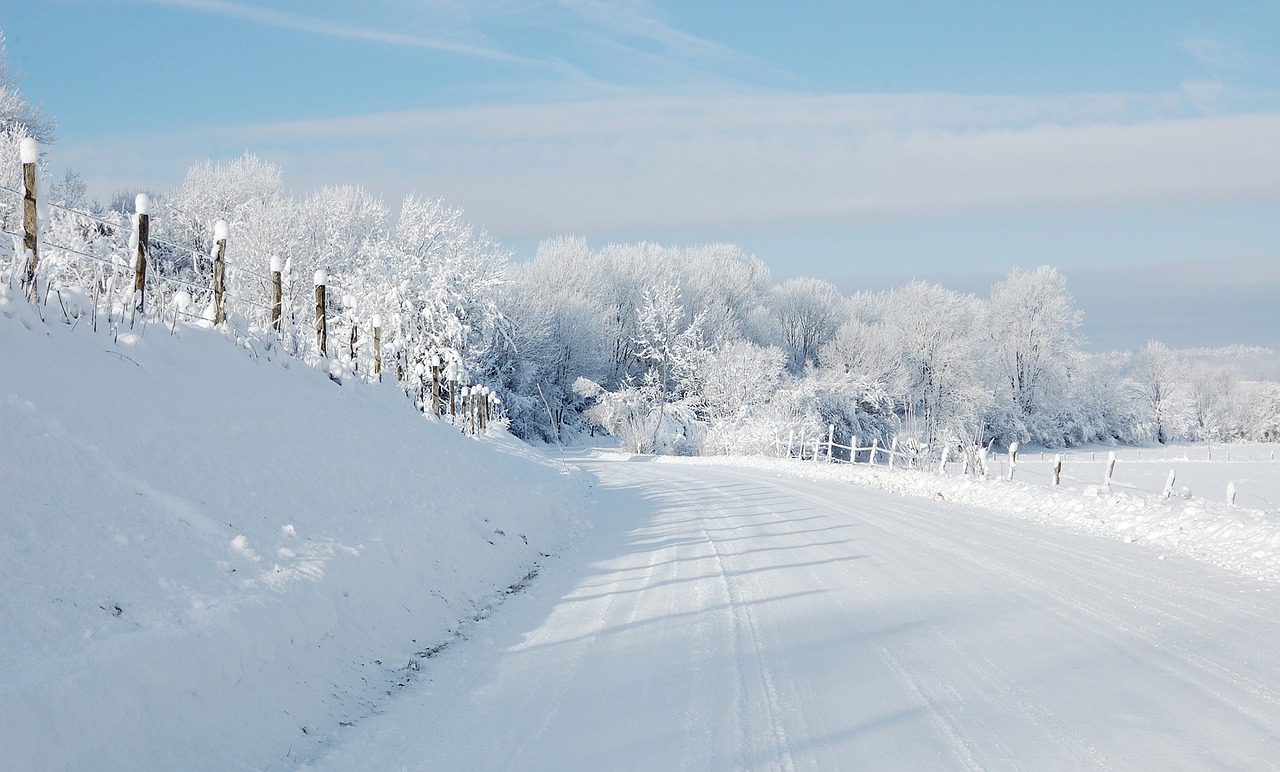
(723, 619)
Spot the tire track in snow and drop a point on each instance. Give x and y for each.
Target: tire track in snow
(1106, 624)
(747, 638)
(959, 740)
(587, 642)
(948, 725)
(995, 679)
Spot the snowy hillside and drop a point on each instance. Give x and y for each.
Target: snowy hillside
(211, 559)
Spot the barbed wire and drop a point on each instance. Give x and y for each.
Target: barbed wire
(160, 279)
(198, 253)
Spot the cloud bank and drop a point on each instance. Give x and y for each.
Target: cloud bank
(659, 162)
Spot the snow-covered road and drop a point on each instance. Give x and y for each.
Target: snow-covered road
(721, 618)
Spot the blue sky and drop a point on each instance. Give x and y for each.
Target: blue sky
(865, 142)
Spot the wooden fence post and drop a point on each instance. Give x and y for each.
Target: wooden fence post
(435, 384)
(348, 310)
(831, 436)
(471, 409)
(1013, 458)
(1168, 483)
(942, 464)
(1057, 469)
(1231, 493)
(322, 324)
(377, 346)
(1111, 468)
(277, 292)
(355, 335)
(893, 449)
(853, 449)
(220, 231)
(30, 153)
(875, 445)
(791, 438)
(142, 207)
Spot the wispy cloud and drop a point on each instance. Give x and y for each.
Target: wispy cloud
(1217, 54)
(639, 19)
(309, 24)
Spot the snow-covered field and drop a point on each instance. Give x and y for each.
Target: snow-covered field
(210, 560)
(1200, 470)
(214, 560)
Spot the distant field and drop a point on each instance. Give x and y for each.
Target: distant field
(1202, 470)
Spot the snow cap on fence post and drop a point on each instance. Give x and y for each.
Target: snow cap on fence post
(142, 204)
(277, 265)
(29, 150)
(221, 230)
(321, 278)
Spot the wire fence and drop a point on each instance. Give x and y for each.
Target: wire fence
(107, 270)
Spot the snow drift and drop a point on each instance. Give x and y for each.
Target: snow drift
(214, 560)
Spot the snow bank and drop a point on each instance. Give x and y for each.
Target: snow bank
(213, 561)
(1238, 538)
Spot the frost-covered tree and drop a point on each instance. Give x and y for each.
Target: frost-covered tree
(740, 377)
(436, 286)
(558, 328)
(1261, 417)
(806, 313)
(237, 191)
(1033, 328)
(663, 400)
(864, 345)
(937, 335)
(1214, 394)
(671, 344)
(727, 288)
(1155, 379)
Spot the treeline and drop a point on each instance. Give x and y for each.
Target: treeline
(674, 350)
(697, 351)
